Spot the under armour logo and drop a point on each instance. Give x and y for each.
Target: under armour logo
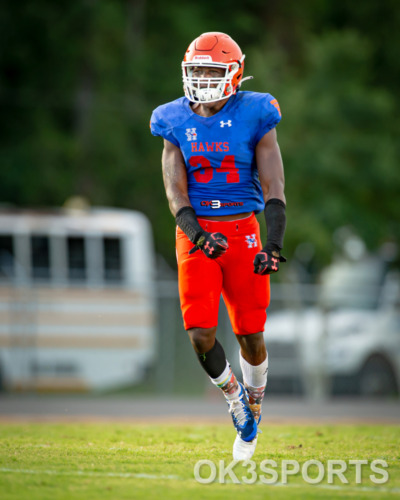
(251, 241)
(228, 123)
(191, 134)
(209, 248)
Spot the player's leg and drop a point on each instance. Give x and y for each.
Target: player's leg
(212, 358)
(253, 358)
(200, 285)
(246, 296)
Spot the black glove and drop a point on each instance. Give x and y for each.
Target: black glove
(267, 261)
(213, 245)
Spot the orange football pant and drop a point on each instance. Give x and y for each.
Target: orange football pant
(202, 280)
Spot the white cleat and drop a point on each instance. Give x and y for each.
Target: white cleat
(243, 450)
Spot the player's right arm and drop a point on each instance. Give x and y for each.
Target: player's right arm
(175, 182)
(175, 178)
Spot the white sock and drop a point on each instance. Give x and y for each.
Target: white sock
(227, 382)
(254, 376)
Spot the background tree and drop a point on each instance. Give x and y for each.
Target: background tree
(80, 79)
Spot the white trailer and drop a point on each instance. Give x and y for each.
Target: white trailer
(77, 302)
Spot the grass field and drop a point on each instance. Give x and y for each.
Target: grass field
(156, 461)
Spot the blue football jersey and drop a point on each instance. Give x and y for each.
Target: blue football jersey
(219, 151)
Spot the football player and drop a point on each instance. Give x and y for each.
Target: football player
(222, 165)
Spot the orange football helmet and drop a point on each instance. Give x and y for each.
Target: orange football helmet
(216, 50)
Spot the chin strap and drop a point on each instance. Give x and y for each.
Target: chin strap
(247, 78)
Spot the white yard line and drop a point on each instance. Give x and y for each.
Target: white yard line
(89, 473)
(377, 489)
(139, 475)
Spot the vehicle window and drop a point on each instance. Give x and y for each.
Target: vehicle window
(76, 258)
(53, 368)
(6, 256)
(112, 259)
(40, 257)
(352, 284)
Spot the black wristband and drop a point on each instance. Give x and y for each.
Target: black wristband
(275, 218)
(186, 219)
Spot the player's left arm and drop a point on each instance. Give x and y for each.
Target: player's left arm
(270, 167)
(272, 180)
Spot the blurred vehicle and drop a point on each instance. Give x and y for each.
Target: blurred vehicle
(348, 343)
(77, 307)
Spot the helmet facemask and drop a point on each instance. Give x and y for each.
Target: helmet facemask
(210, 89)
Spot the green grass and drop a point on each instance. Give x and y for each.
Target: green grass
(137, 461)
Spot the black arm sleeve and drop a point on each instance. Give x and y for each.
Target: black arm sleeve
(186, 219)
(275, 218)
